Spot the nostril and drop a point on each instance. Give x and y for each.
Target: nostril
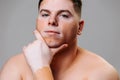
(53, 22)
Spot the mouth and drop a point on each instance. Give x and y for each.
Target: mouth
(52, 32)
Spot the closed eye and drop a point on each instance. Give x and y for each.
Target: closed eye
(44, 15)
(65, 16)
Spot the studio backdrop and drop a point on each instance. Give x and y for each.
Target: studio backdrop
(101, 33)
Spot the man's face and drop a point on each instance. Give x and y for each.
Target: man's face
(57, 22)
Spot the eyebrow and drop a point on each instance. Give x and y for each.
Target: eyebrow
(45, 10)
(59, 11)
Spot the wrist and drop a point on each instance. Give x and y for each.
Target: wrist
(44, 73)
(37, 67)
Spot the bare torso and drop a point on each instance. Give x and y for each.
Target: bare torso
(86, 66)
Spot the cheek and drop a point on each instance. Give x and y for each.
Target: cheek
(69, 27)
(70, 31)
(40, 24)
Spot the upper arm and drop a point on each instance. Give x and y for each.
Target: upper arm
(111, 76)
(105, 74)
(10, 71)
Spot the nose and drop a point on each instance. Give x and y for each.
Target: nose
(53, 21)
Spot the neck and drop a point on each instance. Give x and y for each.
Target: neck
(63, 60)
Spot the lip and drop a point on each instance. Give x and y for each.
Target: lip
(52, 32)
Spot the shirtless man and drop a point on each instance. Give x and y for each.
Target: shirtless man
(55, 55)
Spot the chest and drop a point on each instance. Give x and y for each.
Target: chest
(70, 75)
(74, 74)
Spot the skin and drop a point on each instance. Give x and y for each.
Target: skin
(57, 29)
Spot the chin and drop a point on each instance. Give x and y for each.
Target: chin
(54, 43)
(51, 45)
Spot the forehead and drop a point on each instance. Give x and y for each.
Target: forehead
(55, 5)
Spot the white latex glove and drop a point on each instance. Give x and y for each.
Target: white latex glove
(38, 54)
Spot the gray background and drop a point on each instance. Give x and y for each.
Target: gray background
(100, 35)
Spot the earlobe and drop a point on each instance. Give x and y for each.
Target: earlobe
(79, 32)
(80, 28)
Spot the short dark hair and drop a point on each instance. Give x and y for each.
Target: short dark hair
(76, 3)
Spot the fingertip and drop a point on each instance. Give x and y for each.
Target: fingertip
(36, 33)
(65, 45)
(24, 48)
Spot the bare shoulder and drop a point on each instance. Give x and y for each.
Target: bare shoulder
(13, 68)
(16, 61)
(98, 68)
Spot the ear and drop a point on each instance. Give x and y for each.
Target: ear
(80, 28)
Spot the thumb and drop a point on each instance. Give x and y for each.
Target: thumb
(55, 50)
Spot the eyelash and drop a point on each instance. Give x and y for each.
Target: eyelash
(65, 16)
(45, 15)
(62, 15)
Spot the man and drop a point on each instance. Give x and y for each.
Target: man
(55, 55)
